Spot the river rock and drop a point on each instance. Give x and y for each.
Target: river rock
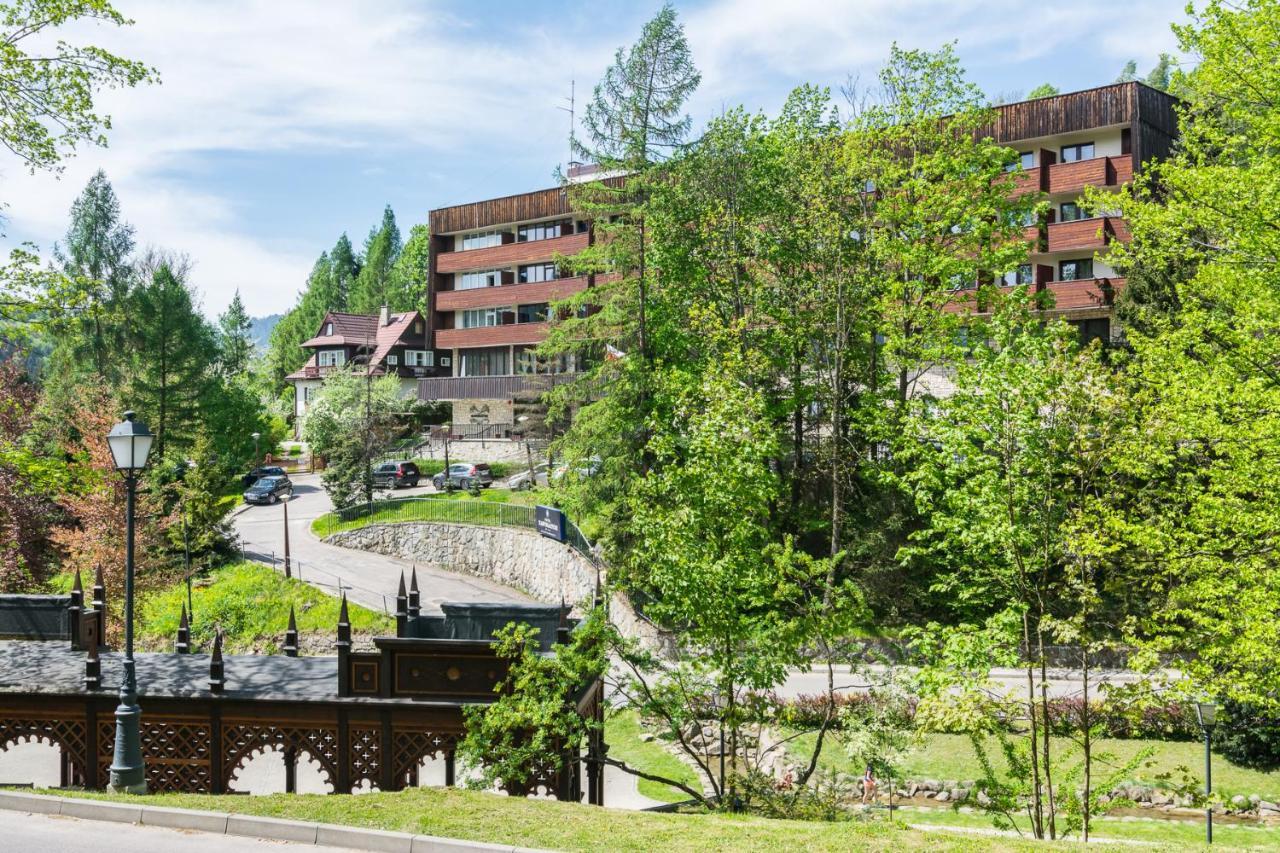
(943, 796)
(1239, 802)
(983, 799)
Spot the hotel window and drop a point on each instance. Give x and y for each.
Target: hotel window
(476, 280)
(527, 361)
(475, 318)
(536, 313)
(482, 240)
(1071, 212)
(1023, 275)
(418, 358)
(1075, 270)
(1026, 160)
(1094, 330)
(1082, 151)
(543, 230)
(331, 358)
(538, 272)
(483, 362)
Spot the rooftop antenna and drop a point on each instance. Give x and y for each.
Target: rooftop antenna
(573, 116)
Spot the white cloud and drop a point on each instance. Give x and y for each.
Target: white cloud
(300, 77)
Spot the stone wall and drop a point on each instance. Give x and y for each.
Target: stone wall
(474, 450)
(545, 569)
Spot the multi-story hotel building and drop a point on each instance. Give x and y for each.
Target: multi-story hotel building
(493, 272)
(493, 275)
(1095, 138)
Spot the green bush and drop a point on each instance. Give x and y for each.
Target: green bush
(1248, 737)
(500, 470)
(249, 602)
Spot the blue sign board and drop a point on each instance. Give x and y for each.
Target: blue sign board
(550, 522)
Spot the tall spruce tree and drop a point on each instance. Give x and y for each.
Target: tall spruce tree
(173, 349)
(408, 288)
(95, 257)
(372, 287)
(234, 342)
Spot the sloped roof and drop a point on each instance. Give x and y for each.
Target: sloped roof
(358, 330)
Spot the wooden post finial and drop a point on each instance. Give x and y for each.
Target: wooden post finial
(415, 597)
(291, 636)
(217, 676)
(183, 646)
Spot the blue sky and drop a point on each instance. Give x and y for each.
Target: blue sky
(282, 123)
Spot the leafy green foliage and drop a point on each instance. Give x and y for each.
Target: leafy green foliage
(250, 604)
(349, 418)
(533, 720)
(48, 95)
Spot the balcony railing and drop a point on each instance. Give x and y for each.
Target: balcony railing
(509, 294)
(1075, 176)
(1082, 234)
(1076, 295)
(490, 336)
(489, 387)
(510, 254)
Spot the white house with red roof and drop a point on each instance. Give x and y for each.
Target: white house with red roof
(395, 344)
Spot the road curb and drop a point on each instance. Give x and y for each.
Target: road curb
(247, 826)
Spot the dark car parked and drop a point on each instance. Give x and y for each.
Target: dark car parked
(268, 490)
(463, 474)
(258, 473)
(396, 475)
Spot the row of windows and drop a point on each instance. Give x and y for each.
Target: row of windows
(476, 318)
(1073, 270)
(1067, 154)
(497, 361)
(412, 358)
(524, 234)
(526, 274)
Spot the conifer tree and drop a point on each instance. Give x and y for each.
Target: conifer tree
(408, 289)
(381, 251)
(235, 345)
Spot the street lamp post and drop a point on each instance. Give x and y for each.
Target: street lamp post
(130, 443)
(256, 457)
(1207, 716)
(284, 502)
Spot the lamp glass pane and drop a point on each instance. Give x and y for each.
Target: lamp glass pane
(1207, 712)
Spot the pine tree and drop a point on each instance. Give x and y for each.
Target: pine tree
(408, 289)
(173, 350)
(345, 264)
(235, 345)
(381, 251)
(96, 257)
(1159, 77)
(1129, 73)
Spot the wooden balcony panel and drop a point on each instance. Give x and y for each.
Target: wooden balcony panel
(1026, 181)
(1085, 293)
(509, 294)
(1079, 235)
(488, 387)
(1121, 169)
(510, 254)
(1074, 177)
(492, 336)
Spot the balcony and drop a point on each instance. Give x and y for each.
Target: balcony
(510, 254)
(489, 387)
(1098, 172)
(492, 336)
(1079, 295)
(1086, 234)
(509, 294)
(1084, 294)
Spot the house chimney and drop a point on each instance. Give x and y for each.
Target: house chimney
(384, 317)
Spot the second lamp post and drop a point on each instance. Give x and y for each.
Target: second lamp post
(130, 443)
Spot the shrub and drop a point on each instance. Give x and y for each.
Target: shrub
(1248, 737)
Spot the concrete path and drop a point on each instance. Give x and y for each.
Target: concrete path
(37, 833)
(369, 579)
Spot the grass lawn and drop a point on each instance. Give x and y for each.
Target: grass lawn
(477, 816)
(457, 507)
(951, 757)
(1180, 834)
(250, 603)
(622, 733)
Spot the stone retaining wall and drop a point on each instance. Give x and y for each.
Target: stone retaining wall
(547, 570)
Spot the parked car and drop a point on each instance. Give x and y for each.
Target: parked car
(268, 490)
(522, 479)
(589, 468)
(258, 473)
(396, 475)
(463, 474)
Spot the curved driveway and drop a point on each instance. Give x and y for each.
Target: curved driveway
(369, 579)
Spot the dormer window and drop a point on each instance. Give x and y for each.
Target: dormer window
(328, 328)
(417, 327)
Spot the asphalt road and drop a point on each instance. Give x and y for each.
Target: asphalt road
(369, 579)
(34, 833)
